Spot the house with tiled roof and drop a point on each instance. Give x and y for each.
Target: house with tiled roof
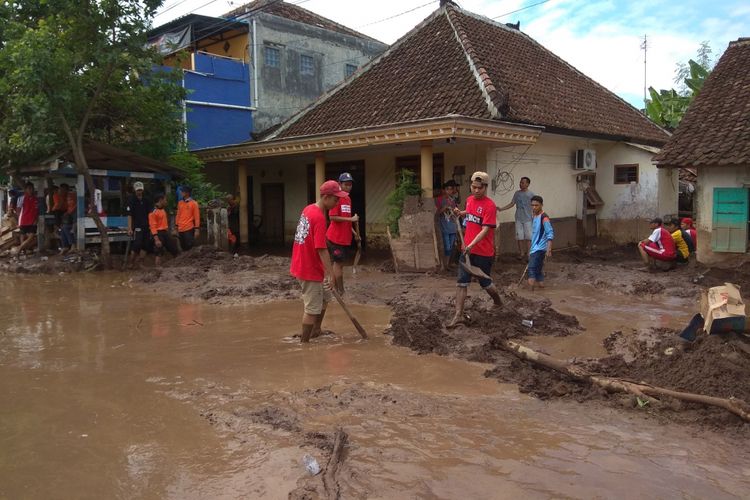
(256, 66)
(456, 94)
(714, 139)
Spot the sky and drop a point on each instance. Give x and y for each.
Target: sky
(601, 38)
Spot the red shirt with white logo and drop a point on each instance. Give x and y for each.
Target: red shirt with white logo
(341, 232)
(309, 237)
(481, 213)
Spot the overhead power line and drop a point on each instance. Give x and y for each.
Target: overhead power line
(522, 8)
(397, 15)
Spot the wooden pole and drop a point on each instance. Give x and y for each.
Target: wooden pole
(244, 219)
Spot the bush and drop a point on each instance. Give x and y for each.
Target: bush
(395, 200)
(193, 176)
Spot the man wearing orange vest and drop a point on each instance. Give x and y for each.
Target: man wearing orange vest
(157, 222)
(188, 219)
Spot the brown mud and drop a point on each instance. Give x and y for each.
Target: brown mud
(134, 386)
(422, 304)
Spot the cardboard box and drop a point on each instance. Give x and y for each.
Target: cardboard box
(723, 309)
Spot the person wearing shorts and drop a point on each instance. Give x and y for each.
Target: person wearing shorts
(444, 205)
(138, 210)
(522, 201)
(542, 235)
(188, 219)
(340, 232)
(311, 263)
(480, 216)
(28, 205)
(159, 227)
(659, 246)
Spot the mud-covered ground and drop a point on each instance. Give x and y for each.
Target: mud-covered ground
(423, 303)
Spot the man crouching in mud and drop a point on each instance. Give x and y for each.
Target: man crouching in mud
(480, 216)
(311, 263)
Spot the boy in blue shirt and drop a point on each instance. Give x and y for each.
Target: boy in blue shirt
(542, 235)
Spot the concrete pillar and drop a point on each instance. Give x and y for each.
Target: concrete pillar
(426, 168)
(320, 172)
(244, 220)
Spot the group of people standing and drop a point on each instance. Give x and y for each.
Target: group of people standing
(58, 200)
(148, 224)
(320, 248)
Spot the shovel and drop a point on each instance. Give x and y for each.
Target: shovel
(356, 323)
(465, 263)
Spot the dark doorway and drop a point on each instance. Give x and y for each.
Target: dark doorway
(357, 169)
(252, 229)
(272, 210)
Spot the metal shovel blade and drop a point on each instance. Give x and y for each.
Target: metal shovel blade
(473, 270)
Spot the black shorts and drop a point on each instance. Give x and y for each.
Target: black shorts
(141, 240)
(187, 239)
(339, 253)
(28, 229)
(167, 243)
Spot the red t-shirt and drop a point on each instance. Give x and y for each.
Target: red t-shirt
(29, 211)
(341, 232)
(309, 237)
(481, 213)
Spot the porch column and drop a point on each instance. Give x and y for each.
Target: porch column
(320, 172)
(244, 223)
(426, 168)
(80, 213)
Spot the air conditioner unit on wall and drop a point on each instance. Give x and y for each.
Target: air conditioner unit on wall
(585, 159)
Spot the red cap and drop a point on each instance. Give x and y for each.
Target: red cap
(688, 221)
(332, 188)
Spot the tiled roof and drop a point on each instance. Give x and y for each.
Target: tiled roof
(715, 131)
(455, 62)
(293, 13)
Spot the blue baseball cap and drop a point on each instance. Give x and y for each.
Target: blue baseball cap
(346, 177)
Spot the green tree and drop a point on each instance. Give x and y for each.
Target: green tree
(80, 69)
(667, 107)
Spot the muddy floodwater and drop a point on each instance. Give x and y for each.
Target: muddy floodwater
(111, 391)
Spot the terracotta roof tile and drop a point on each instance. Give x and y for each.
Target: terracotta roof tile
(715, 131)
(293, 13)
(457, 63)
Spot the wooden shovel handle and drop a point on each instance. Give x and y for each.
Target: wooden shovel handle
(356, 323)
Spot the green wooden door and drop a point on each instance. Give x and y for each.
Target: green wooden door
(730, 218)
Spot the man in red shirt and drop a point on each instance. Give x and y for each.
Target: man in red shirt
(659, 246)
(480, 215)
(311, 262)
(339, 234)
(29, 215)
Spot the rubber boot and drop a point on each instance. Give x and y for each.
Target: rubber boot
(306, 331)
(318, 323)
(460, 300)
(492, 292)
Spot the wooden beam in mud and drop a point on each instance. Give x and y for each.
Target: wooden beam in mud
(611, 384)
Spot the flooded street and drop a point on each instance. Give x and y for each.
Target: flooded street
(112, 391)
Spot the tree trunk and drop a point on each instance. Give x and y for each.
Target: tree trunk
(83, 168)
(640, 389)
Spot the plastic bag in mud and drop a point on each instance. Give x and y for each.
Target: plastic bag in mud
(723, 309)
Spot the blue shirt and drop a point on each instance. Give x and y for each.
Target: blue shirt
(541, 233)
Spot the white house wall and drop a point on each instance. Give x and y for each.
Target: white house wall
(708, 179)
(548, 163)
(627, 207)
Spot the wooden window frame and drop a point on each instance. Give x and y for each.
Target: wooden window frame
(628, 165)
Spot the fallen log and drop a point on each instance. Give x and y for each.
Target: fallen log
(611, 384)
(330, 479)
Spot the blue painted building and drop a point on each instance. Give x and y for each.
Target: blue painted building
(218, 108)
